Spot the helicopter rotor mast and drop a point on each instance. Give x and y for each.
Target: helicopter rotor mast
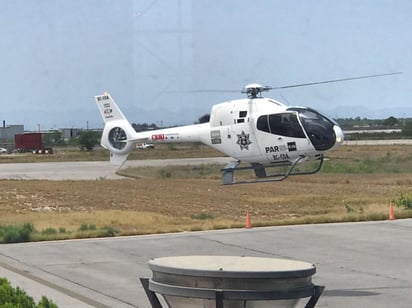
(254, 89)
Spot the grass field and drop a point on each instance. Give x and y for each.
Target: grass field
(356, 183)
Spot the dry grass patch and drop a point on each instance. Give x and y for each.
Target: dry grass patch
(171, 205)
(123, 222)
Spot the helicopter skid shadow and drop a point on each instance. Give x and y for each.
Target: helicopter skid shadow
(359, 292)
(349, 293)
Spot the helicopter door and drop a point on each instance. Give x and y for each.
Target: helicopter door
(281, 136)
(243, 135)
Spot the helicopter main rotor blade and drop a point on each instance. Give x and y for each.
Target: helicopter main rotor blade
(333, 80)
(268, 88)
(203, 91)
(211, 91)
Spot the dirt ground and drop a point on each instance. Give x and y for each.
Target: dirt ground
(163, 204)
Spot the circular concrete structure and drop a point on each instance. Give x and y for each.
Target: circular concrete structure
(231, 281)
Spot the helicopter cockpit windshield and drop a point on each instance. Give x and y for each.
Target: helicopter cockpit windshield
(318, 127)
(283, 124)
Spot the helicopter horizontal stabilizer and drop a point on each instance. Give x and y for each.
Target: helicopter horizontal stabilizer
(118, 159)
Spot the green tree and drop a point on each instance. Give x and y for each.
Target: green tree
(53, 138)
(391, 121)
(138, 127)
(204, 118)
(88, 139)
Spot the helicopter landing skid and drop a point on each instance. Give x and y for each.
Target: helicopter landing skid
(260, 171)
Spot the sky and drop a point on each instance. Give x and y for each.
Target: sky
(150, 55)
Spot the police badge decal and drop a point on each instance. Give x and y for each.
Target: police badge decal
(243, 141)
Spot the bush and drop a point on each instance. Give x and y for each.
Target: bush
(49, 231)
(46, 303)
(405, 201)
(16, 234)
(109, 232)
(202, 216)
(15, 297)
(86, 227)
(165, 174)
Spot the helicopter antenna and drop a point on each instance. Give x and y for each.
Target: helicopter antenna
(284, 98)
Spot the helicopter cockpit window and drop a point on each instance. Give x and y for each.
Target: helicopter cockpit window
(282, 124)
(318, 127)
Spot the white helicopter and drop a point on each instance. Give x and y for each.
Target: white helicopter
(256, 130)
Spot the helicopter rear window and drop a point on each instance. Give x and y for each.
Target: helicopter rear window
(283, 124)
(262, 124)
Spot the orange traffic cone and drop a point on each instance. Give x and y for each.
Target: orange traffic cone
(391, 214)
(248, 223)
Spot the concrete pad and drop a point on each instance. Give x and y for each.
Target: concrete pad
(361, 264)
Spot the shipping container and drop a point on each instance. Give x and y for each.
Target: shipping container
(28, 142)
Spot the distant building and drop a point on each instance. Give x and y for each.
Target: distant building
(7, 135)
(70, 133)
(7, 132)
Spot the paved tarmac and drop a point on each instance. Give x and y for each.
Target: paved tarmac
(91, 170)
(361, 264)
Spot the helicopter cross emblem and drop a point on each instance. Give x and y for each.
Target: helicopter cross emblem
(243, 141)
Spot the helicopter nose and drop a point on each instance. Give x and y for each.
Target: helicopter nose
(340, 137)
